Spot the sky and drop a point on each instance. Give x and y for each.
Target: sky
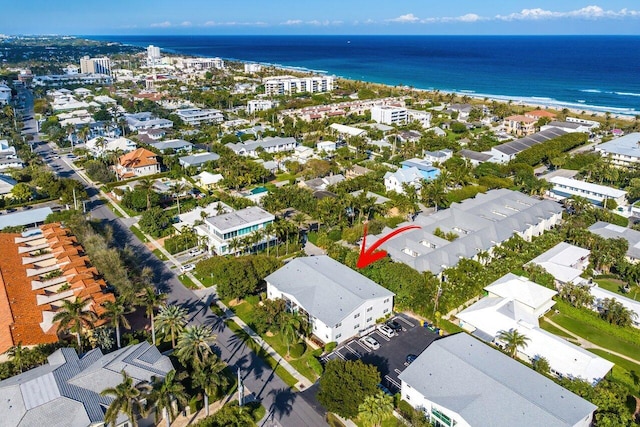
(235, 17)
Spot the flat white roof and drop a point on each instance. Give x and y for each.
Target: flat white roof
(588, 187)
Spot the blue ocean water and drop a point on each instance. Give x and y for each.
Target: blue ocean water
(584, 72)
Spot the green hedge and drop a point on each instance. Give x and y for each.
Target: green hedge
(550, 149)
(297, 350)
(180, 242)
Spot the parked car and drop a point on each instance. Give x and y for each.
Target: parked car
(386, 331)
(195, 252)
(397, 327)
(187, 267)
(370, 342)
(410, 358)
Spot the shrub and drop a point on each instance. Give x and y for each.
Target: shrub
(180, 242)
(315, 364)
(98, 171)
(297, 350)
(330, 346)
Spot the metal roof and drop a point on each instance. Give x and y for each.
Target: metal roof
(28, 217)
(515, 147)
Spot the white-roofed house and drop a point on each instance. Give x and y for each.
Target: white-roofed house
(208, 180)
(600, 295)
(459, 381)
(198, 159)
(101, 145)
(6, 185)
(597, 194)
(565, 262)
(394, 181)
(623, 151)
(339, 302)
(515, 302)
(227, 232)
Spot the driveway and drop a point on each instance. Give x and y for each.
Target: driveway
(390, 358)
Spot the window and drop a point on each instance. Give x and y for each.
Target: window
(386, 300)
(338, 336)
(357, 326)
(385, 310)
(338, 325)
(356, 315)
(369, 309)
(369, 319)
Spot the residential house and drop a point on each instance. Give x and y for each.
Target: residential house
(338, 302)
(227, 233)
(146, 120)
(326, 146)
(438, 131)
(569, 127)
(347, 131)
(427, 170)
(601, 294)
(565, 262)
(540, 114)
(139, 162)
(409, 136)
(475, 157)
(99, 146)
(5, 94)
(481, 224)
(463, 110)
(506, 152)
(623, 151)
(439, 156)
(197, 116)
(597, 194)
(520, 125)
(197, 160)
(459, 381)
(612, 231)
(6, 185)
(10, 161)
(177, 145)
(66, 391)
(208, 180)
(395, 181)
(153, 134)
(319, 184)
(39, 270)
(514, 302)
(268, 144)
(195, 218)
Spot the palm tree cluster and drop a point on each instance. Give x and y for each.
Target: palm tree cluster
(513, 341)
(614, 312)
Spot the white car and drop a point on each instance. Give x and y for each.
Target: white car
(370, 342)
(195, 252)
(386, 331)
(187, 267)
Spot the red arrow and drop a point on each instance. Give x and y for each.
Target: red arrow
(368, 256)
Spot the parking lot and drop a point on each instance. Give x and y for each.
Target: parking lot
(390, 358)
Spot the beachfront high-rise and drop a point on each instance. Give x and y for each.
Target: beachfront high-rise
(95, 65)
(153, 55)
(289, 85)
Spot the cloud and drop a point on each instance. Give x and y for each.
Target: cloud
(589, 12)
(165, 24)
(235, 24)
(292, 22)
(408, 18)
(186, 24)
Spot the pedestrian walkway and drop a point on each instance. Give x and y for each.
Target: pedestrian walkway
(588, 344)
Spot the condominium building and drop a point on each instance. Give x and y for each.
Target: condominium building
(520, 125)
(623, 151)
(228, 233)
(389, 115)
(95, 65)
(597, 194)
(289, 85)
(260, 105)
(252, 68)
(203, 63)
(196, 116)
(153, 55)
(146, 120)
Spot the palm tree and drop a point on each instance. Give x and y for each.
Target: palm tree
(268, 232)
(178, 188)
(151, 300)
(234, 244)
(171, 320)
(70, 129)
(164, 392)
(115, 313)
(17, 354)
(127, 399)
(146, 185)
(210, 377)
(375, 409)
(513, 340)
(194, 344)
(83, 133)
(291, 326)
(75, 315)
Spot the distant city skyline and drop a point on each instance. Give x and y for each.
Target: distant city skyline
(281, 17)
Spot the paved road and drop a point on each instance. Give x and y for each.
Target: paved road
(284, 407)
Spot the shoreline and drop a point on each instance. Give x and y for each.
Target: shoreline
(621, 113)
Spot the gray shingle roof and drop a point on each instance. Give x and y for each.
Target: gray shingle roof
(489, 388)
(612, 231)
(325, 288)
(480, 223)
(176, 144)
(66, 391)
(198, 159)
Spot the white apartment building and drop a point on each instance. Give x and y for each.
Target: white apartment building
(203, 63)
(422, 117)
(566, 187)
(289, 85)
(259, 105)
(226, 232)
(196, 116)
(389, 115)
(338, 301)
(95, 65)
(623, 151)
(153, 55)
(252, 68)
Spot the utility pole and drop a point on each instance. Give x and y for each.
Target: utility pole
(240, 389)
(75, 201)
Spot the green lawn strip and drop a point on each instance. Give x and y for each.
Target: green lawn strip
(245, 312)
(115, 210)
(205, 280)
(135, 230)
(389, 422)
(555, 331)
(279, 370)
(449, 327)
(614, 285)
(187, 281)
(159, 254)
(599, 332)
(623, 372)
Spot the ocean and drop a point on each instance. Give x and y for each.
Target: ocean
(598, 73)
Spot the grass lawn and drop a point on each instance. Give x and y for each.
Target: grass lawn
(135, 230)
(279, 370)
(614, 285)
(597, 336)
(389, 422)
(187, 282)
(159, 254)
(115, 211)
(245, 312)
(624, 372)
(205, 280)
(555, 331)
